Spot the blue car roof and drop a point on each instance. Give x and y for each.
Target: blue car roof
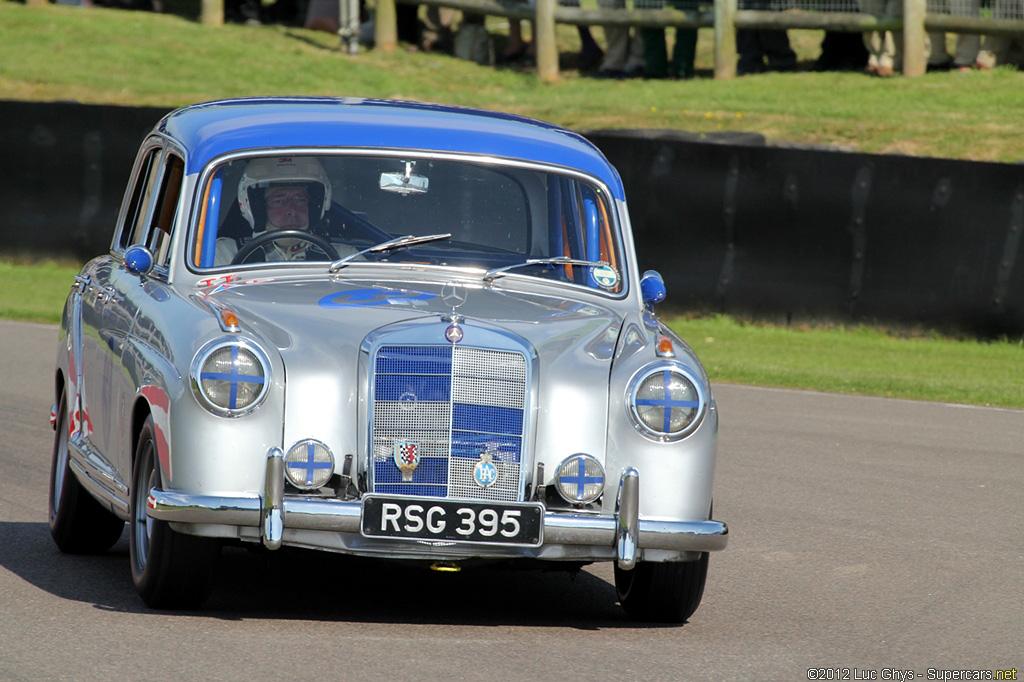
(211, 129)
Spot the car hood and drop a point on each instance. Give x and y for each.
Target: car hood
(341, 313)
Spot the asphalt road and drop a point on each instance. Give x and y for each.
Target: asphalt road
(870, 536)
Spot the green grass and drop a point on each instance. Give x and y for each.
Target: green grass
(857, 360)
(34, 293)
(140, 58)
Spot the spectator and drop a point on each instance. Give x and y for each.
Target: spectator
(1003, 49)
(884, 48)
(763, 50)
(323, 15)
(624, 53)
(842, 51)
(517, 48)
(684, 52)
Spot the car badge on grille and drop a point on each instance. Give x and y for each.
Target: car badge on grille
(485, 473)
(407, 401)
(454, 333)
(407, 458)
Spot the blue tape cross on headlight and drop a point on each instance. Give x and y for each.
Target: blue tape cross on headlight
(235, 377)
(667, 403)
(580, 479)
(310, 465)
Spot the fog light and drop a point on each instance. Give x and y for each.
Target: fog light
(308, 465)
(580, 479)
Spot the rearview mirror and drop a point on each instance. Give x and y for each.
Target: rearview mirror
(404, 183)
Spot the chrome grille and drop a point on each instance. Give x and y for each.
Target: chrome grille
(455, 403)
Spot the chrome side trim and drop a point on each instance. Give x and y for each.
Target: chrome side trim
(98, 478)
(340, 516)
(273, 495)
(627, 506)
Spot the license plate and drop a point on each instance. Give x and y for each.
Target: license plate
(452, 520)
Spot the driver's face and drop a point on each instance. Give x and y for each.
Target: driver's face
(287, 208)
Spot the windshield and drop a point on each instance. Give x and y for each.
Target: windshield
(326, 208)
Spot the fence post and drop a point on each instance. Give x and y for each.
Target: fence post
(725, 39)
(212, 13)
(547, 47)
(385, 26)
(915, 58)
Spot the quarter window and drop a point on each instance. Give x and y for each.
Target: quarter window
(153, 205)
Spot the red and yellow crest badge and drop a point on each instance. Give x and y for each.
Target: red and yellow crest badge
(407, 457)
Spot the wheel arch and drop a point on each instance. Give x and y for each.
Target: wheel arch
(59, 382)
(141, 411)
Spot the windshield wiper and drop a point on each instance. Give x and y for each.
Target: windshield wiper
(554, 260)
(390, 245)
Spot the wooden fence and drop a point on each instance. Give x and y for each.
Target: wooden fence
(725, 19)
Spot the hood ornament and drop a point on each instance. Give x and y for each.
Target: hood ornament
(454, 295)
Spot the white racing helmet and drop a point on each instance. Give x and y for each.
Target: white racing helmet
(261, 173)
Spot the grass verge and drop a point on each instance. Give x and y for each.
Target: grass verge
(858, 360)
(34, 292)
(108, 56)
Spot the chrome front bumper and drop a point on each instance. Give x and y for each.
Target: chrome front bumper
(272, 513)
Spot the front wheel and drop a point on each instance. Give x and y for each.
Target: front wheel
(662, 592)
(170, 570)
(78, 523)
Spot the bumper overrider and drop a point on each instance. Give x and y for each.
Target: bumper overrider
(621, 537)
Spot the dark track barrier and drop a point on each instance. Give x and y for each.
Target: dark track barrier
(733, 225)
(66, 166)
(742, 227)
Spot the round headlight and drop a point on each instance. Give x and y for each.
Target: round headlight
(580, 479)
(309, 464)
(665, 402)
(230, 377)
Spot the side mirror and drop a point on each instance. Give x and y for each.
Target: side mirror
(138, 260)
(652, 287)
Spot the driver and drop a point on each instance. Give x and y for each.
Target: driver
(280, 193)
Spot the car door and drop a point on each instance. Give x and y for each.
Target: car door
(110, 304)
(140, 295)
(105, 324)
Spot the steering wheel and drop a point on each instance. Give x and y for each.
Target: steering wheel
(270, 236)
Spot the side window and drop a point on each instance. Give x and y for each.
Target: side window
(138, 204)
(159, 240)
(153, 205)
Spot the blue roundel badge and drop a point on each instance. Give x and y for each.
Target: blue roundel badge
(485, 473)
(605, 276)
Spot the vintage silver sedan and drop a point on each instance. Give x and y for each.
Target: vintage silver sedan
(386, 329)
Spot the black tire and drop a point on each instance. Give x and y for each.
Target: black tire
(662, 592)
(170, 570)
(78, 523)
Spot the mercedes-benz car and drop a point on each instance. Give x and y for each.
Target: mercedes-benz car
(386, 329)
